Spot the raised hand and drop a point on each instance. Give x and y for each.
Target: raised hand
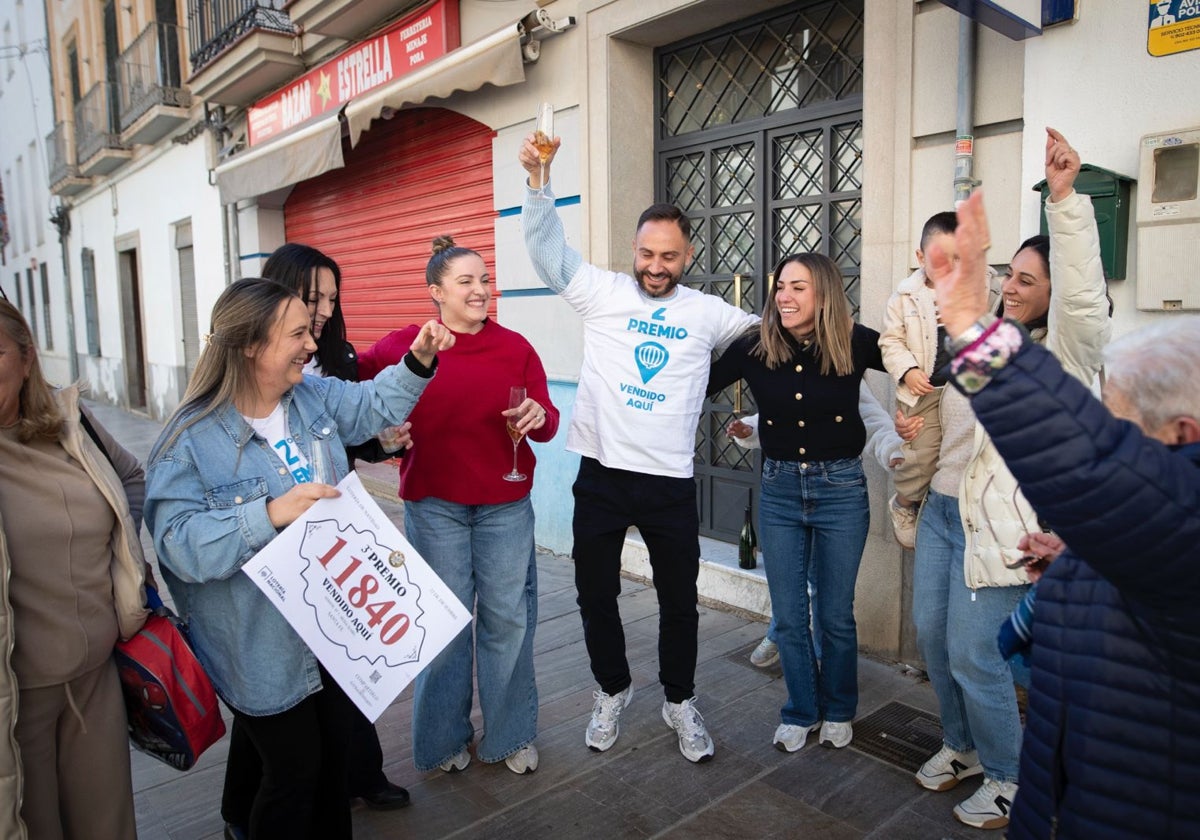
(1062, 165)
(962, 287)
(531, 161)
(433, 338)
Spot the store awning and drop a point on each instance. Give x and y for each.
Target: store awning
(290, 159)
(494, 60)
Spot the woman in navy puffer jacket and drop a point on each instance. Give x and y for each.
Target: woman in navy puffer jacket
(1112, 744)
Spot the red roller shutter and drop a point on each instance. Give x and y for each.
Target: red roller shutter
(424, 173)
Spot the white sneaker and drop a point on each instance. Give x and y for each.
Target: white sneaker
(765, 655)
(836, 734)
(789, 737)
(904, 522)
(989, 806)
(947, 768)
(457, 762)
(685, 719)
(605, 724)
(524, 760)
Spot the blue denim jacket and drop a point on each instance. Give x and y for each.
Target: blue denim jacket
(206, 509)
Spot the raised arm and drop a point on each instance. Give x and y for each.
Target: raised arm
(553, 260)
(1079, 324)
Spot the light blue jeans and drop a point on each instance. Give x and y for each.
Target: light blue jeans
(814, 516)
(956, 634)
(485, 555)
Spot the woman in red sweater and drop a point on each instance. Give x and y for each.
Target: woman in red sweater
(473, 527)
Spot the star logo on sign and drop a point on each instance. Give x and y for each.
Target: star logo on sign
(323, 91)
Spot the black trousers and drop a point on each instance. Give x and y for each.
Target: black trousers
(663, 509)
(300, 755)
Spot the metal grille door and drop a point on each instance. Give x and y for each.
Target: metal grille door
(760, 143)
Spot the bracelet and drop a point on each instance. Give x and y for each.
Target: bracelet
(974, 366)
(970, 335)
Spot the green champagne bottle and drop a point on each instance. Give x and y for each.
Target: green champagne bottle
(748, 540)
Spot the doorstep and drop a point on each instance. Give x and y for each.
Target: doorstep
(721, 582)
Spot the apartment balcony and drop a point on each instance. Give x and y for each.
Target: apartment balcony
(240, 50)
(349, 19)
(152, 98)
(64, 174)
(98, 146)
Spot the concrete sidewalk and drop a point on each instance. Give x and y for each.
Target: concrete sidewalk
(642, 787)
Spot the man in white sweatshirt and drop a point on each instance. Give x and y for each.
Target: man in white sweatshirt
(647, 346)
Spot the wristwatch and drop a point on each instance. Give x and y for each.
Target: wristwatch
(970, 335)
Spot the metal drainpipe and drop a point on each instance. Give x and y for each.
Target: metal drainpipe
(61, 219)
(235, 245)
(964, 143)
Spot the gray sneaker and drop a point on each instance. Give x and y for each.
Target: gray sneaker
(605, 724)
(765, 655)
(457, 762)
(685, 719)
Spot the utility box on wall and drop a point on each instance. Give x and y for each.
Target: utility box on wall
(1168, 221)
(1110, 198)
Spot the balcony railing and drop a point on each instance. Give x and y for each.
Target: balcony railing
(150, 73)
(95, 128)
(58, 146)
(214, 25)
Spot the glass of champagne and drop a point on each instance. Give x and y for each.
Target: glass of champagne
(543, 138)
(516, 397)
(321, 468)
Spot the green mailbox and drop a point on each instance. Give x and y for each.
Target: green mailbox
(1110, 198)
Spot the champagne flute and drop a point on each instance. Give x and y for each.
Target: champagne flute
(516, 398)
(320, 464)
(543, 138)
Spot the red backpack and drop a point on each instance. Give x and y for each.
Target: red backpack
(172, 708)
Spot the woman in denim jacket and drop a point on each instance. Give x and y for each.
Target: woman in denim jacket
(228, 473)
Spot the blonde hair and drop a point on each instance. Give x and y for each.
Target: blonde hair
(242, 319)
(833, 326)
(39, 414)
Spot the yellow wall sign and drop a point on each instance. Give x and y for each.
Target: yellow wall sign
(1174, 26)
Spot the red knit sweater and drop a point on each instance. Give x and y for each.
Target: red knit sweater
(460, 447)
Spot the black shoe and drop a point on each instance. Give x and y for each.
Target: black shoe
(388, 798)
(235, 832)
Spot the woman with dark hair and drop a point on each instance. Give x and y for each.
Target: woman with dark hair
(804, 364)
(71, 584)
(230, 470)
(968, 574)
(317, 279)
(472, 518)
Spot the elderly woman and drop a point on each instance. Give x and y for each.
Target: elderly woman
(230, 470)
(968, 573)
(71, 584)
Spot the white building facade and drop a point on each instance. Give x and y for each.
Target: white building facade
(828, 125)
(32, 275)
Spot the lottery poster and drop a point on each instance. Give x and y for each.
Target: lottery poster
(364, 601)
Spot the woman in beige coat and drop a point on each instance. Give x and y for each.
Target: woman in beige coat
(71, 584)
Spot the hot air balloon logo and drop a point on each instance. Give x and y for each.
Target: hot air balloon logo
(651, 357)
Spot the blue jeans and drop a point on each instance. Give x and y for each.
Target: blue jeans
(814, 516)
(956, 634)
(485, 555)
(812, 608)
